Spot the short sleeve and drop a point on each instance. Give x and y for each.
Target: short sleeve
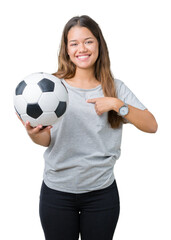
(127, 96)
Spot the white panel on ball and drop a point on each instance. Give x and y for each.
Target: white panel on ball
(47, 119)
(33, 78)
(32, 93)
(33, 122)
(60, 92)
(20, 104)
(48, 102)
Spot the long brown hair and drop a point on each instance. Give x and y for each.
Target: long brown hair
(67, 69)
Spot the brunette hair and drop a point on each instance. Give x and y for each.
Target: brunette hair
(66, 69)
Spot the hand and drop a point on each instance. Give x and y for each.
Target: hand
(38, 134)
(105, 104)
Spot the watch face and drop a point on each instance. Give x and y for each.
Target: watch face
(124, 110)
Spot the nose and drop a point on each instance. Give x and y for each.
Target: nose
(82, 48)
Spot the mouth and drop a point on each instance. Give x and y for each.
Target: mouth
(83, 57)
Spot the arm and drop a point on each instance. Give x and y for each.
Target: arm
(142, 119)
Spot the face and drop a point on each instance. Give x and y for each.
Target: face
(82, 47)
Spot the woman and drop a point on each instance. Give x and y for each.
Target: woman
(79, 192)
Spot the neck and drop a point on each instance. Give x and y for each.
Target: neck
(84, 75)
(84, 78)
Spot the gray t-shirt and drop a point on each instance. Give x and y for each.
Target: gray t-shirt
(84, 148)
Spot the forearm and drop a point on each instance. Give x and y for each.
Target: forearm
(43, 140)
(142, 119)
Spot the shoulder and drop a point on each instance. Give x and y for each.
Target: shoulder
(119, 85)
(122, 90)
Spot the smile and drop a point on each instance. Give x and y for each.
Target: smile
(83, 57)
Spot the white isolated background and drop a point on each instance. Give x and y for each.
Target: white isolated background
(138, 35)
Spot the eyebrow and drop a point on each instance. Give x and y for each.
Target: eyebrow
(84, 39)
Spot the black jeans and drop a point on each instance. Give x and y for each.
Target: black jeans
(94, 214)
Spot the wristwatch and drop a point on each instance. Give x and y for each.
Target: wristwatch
(123, 110)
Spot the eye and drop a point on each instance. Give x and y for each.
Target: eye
(89, 42)
(73, 44)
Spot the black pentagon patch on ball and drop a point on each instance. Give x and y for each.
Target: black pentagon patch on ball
(20, 88)
(34, 110)
(60, 109)
(46, 85)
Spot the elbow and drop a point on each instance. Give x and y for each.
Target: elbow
(153, 127)
(152, 123)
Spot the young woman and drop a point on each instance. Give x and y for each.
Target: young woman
(79, 192)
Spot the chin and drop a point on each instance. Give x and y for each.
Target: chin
(85, 66)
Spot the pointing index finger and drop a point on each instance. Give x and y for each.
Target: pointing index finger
(93, 100)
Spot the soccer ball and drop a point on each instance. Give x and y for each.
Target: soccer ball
(41, 98)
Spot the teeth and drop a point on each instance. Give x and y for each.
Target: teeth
(83, 57)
